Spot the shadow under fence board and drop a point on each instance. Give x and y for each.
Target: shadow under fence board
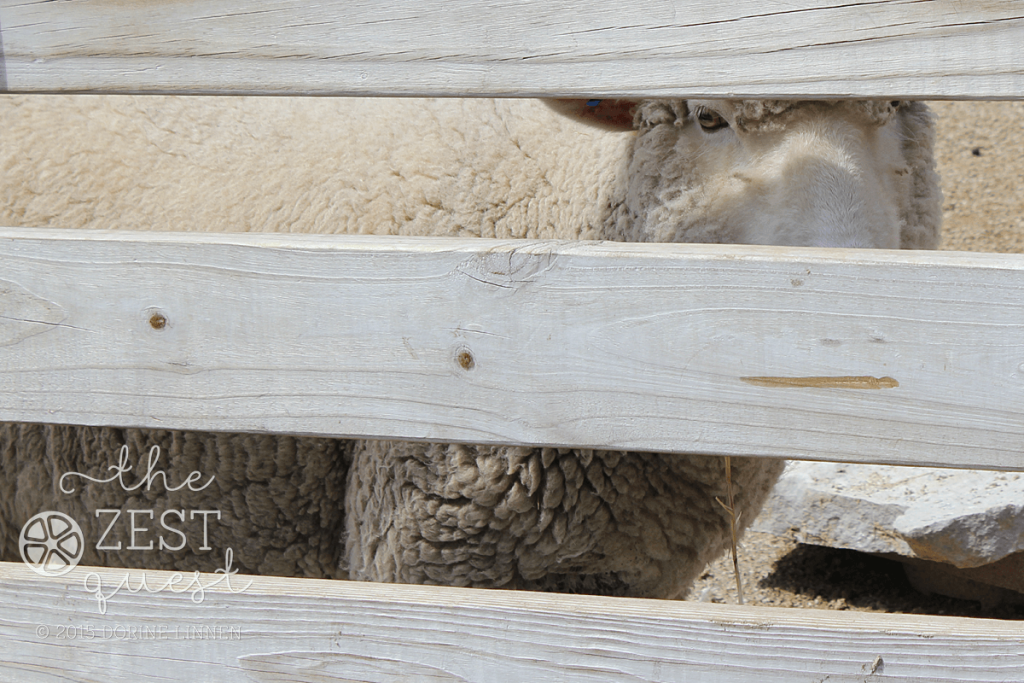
(852, 355)
(874, 48)
(309, 630)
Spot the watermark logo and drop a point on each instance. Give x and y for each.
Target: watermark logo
(51, 543)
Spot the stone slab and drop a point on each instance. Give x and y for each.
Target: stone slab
(968, 523)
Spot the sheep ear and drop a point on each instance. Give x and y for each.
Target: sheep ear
(607, 114)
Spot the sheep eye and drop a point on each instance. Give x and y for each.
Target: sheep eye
(710, 121)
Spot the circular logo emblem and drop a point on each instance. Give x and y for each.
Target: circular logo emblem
(51, 543)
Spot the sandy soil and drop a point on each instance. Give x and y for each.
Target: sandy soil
(780, 573)
(980, 152)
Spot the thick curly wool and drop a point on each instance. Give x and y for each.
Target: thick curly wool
(771, 172)
(922, 203)
(279, 498)
(469, 168)
(581, 521)
(774, 115)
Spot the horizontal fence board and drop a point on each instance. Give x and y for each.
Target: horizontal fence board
(307, 630)
(887, 48)
(850, 355)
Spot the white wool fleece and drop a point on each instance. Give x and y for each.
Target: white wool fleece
(829, 173)
(480, 168)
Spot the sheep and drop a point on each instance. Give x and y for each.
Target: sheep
(813, 173)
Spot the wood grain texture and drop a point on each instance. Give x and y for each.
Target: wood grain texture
(625, 346)
(307, 630)
(880, 48)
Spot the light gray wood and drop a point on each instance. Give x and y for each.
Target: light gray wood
(851, 355)
(882, 48)
(307, 630)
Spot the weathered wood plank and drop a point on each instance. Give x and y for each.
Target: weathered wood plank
(313, 630)
(851, 355)
(889, 48)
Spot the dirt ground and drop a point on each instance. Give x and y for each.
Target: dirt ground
(980, 154)
(780, 573)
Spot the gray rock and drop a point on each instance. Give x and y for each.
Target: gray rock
(962, 519)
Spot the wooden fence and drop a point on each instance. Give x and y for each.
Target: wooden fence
(931, 371)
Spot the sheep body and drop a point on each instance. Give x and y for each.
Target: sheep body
(473, 168)
(826, 174)
(275, 501)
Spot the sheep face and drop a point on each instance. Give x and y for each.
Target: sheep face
(821, 174)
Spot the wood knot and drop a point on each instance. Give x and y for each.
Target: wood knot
(157, 321)
(465, 359)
